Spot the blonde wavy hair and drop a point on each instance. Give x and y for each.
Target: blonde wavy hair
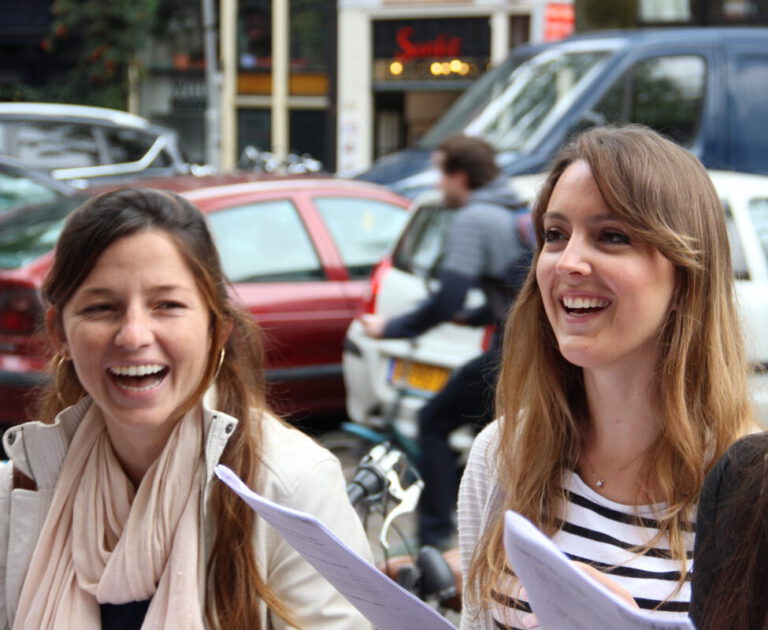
(664, 196)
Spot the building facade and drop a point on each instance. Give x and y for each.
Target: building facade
(401, 64)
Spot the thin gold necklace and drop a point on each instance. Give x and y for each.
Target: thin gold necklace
(600, 481)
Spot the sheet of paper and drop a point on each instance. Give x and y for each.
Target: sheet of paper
(564, 597)
(386, 604)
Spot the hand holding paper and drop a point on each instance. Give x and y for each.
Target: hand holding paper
(564, 597)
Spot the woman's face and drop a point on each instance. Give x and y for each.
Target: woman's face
(606, 292)
(137, 330)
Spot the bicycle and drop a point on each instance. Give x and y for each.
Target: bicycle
(384, 475)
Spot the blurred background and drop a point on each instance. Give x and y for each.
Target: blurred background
(345, 81)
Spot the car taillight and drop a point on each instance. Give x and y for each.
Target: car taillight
(20, 311)
(488, 334)
(369, 304)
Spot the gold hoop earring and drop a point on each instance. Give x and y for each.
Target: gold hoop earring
(56, 381)
(222, 354)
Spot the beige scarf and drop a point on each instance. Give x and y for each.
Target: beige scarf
(105, 542)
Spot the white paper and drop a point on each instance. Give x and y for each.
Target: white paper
(564, 597)
(386, 604)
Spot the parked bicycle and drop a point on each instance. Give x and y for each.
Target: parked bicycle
(386, 483)
(254, 159)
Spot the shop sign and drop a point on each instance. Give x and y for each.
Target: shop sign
(440, 47)
(559, 21)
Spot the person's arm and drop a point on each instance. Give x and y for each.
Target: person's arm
(439, 307)
(314, 603)
(473, 498)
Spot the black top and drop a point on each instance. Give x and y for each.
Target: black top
(726, 511)
(127, 616)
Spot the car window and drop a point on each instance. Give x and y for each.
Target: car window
(51, 145)
(665, 93)
(749, 142)
(738, 258)
(363, 229)
(28, 234)
(128, 145)
(758, 212)
(17, 190)
(263, 242)
(421, 246)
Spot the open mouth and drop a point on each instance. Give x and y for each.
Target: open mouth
(138, 378)
(582, 306)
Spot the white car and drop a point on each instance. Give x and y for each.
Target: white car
(396, 376)
(82, 144)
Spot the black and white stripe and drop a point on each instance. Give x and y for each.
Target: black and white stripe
(606, 535)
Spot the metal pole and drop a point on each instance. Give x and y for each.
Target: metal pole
(212, 85)
(280, 79)
(228, 111)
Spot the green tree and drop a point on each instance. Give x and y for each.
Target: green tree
(103, 39)
(593, 15)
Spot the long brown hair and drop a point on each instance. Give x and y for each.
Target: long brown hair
(664, 196)
(236, 584)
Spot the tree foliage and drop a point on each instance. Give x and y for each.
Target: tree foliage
(594, 15)
(105, 38)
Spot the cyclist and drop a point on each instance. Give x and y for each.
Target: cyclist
(487, 246)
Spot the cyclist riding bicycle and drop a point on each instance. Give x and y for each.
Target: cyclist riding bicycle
(488, 246)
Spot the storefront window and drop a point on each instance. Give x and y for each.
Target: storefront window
(254, 38)
(253, 128)
(309, 29)
(178, 38)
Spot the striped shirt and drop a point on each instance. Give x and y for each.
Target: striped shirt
(595, 530)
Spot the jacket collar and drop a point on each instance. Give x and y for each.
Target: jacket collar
(38, 449)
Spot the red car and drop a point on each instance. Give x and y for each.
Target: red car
(297, 251)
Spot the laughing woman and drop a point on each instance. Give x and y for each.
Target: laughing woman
(109, 514)
(623, 379)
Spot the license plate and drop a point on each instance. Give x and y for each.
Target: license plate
(420, 376)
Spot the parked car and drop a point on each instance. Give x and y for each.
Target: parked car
(380, 373)
(84, 144)
(20, 186)
(699, 86)
(298, 252)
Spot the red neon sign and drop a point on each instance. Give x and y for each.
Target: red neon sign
(442, 46)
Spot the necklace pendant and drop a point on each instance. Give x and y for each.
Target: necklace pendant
(600, 483)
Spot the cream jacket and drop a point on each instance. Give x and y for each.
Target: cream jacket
(296, 473)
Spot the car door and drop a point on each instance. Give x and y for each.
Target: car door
(282, 273)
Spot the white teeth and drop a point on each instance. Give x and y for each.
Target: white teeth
(137, 370)
(584, 302)
(140, 389)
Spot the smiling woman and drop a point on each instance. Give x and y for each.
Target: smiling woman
(158, 377)
(623, 379)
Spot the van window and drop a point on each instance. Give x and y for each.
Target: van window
(535, 97)
(749, 148)
(665, 93)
